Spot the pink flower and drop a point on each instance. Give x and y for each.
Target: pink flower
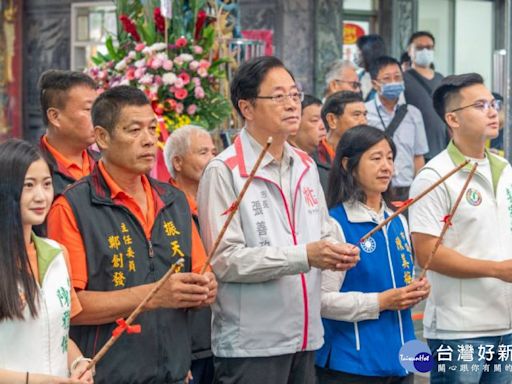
(197, 49)
(178, 83)
(167, 65)
(170, 104)
(203, 72)
(139, 47)
(185, 77)
(139, 72)
(192, 108)
(193, 65)
(204, 64)
(157, 80)
(179, 108)
(130, 73)
(181, 42)
(178, 60)
(155, 63)
(196, 81)
(180, 94)
(199, 93)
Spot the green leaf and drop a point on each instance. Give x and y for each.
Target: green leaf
(97, 60)
(110, 47)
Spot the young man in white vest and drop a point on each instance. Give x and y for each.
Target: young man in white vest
(266, 324)
(468, 315)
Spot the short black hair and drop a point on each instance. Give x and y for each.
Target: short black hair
(449, 89)
(310, 100)
(107, 107)
(417, 34)
(249, 76)
(405, 58)
(336, 102)
(54, 85)
(371, 47)
(381, 62)
(497, 96)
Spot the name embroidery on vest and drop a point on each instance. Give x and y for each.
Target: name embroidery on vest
(171, 231)
(121, 261)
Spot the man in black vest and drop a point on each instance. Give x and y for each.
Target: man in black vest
(123, 231)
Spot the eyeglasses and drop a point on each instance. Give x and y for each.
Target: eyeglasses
(296, 97)
(483, 105)
(354, 84)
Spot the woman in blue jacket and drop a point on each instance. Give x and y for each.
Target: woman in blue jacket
(366, 311)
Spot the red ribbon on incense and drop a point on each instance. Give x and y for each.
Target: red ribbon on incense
(400, 204)
(232, 208)
(447, 220)
(122, 326)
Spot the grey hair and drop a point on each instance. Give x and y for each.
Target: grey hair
(335, 68)
(178, 143)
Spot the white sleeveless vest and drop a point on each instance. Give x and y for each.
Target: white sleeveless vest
(40, 345)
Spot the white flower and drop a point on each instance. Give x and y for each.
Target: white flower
(154, 89)
(158, 47)
(162, 56)
(121, 65)
(140, 63)
(169, 78)
(132, 54)
(186, 57)
(146, 79)
(193, 65)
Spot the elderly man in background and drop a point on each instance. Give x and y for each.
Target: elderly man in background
(341, 76)
(186, 153)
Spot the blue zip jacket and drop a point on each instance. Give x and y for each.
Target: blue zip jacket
(371, 347)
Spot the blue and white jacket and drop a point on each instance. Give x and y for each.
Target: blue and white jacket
(370, 345)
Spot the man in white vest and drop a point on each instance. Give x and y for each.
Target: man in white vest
(468, 315)
(266, 323)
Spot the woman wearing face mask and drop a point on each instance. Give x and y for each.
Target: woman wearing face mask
(36, 300)
(402, 122)
(366, 311)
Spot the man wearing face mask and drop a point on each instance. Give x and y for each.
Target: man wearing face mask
(401, 121)
(420, 82)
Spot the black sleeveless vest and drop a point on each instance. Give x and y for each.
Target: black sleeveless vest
(119, 256)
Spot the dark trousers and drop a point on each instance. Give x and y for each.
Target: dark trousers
(202, 371)
(296, 368)
(329, 376)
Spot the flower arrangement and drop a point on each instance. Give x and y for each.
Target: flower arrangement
(172, 60)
